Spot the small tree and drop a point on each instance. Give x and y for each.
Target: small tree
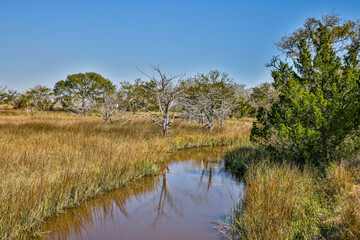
(318, 105)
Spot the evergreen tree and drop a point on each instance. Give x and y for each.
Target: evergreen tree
(318, 107)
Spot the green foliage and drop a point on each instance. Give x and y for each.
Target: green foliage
(318, 105)
(263, 96)
(239, 160)
(138, 95)
(243, 108)
(78, 89)
(39, 97)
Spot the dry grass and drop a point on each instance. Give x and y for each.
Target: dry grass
(342, 192)
(278, 204)
(57, 160)
(283, 202)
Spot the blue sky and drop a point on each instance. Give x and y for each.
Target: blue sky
(43, 41)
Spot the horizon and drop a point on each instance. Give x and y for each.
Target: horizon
(47, 41)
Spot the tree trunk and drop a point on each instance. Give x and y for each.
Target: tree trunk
(166, 125)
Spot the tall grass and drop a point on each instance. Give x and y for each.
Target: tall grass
(283, 202)
(341, 198)
(56, 160)
(279, 203)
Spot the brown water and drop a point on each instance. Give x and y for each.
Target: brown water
(183, 203)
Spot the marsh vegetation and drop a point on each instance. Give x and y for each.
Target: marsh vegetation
(56, 160)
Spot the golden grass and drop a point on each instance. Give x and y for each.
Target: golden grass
(278, 203)
(56, 160)
(283, 202)
(342, 192)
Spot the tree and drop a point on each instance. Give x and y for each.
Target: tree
(111, 107)
(16, 99)
(167, 96)
(3, 94)
(263, 96)
(80, 90)
(139, 95)
(107, 106)
(318, 105)
(242, 104)
(38, 98)
(210, 98)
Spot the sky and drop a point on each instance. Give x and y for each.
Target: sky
(44, 41)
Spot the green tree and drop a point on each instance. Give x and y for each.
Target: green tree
(79, 90)
(139, 95)
(3, 94)
(318, 105)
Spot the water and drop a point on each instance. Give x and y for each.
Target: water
(185, 202)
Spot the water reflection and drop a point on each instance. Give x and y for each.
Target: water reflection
(181, 203)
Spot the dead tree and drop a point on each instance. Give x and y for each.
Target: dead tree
(37, 98)
(107, 107)
(167, 94)
(210, 98)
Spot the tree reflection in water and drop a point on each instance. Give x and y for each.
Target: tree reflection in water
(154, 198)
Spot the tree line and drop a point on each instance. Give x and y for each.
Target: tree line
(310, 113)
(206, 98)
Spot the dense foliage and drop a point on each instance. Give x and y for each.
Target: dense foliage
(317, 110)
(80, 89)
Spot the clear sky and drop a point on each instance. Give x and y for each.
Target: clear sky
(43, 41)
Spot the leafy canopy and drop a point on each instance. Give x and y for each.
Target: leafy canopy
(82, 87)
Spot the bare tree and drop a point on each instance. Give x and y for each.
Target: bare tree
(167, 96)
(107, 107)
(38, 98)
(263, 96)
(110, 107)
(209, 98)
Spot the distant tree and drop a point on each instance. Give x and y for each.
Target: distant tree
(210, 98)
(41, 97)
(79, 91)
(166, 93)
(107, 106)
(242, 106)
(3, 94)
(63, 95)
(38, 98)
(263, 96)
(15, 99)
(139, 95)
(318, 105)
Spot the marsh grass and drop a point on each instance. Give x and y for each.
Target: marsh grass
(283, 201)
(56, 160)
